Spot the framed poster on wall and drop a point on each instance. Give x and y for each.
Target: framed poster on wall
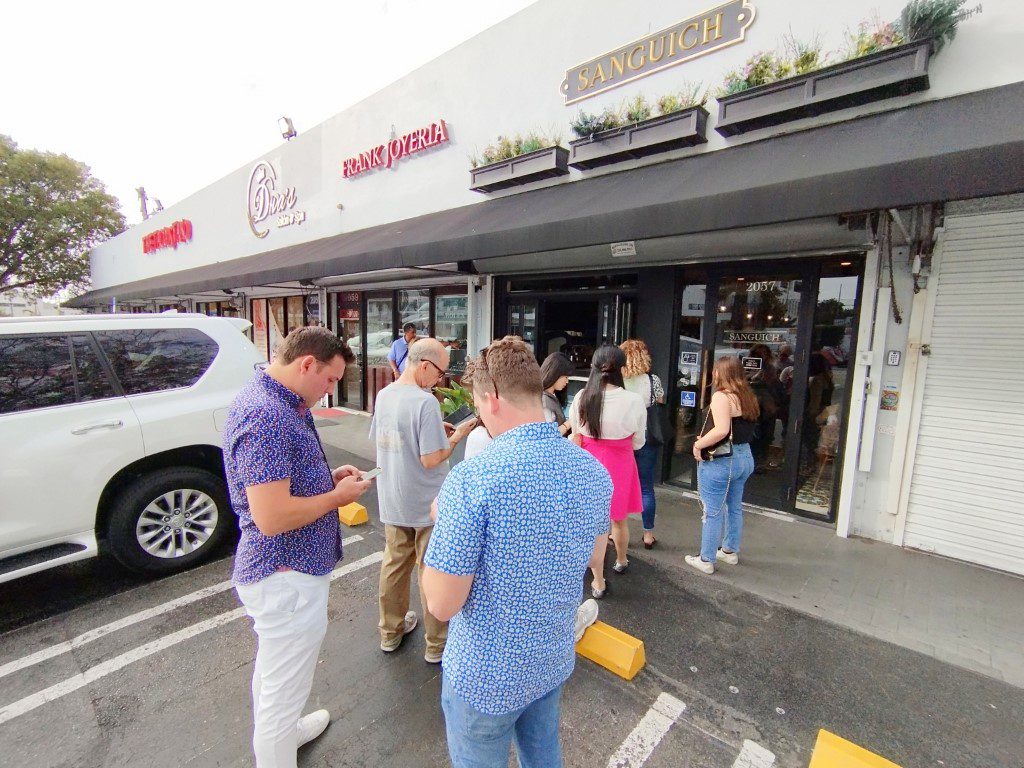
(275, 323)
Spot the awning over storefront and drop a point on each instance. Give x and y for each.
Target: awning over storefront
(956, 148)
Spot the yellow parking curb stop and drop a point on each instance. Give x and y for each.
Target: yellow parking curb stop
(613, 649)
(831, 751)
(353, 514)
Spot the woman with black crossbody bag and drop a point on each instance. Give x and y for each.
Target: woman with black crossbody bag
(725, 464)
(638, 378)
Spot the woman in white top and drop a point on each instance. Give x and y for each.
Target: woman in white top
(610, 423)
(638, 378)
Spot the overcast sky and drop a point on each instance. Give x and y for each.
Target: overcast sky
(173, 96)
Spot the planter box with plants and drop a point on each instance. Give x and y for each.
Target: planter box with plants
(611, 137)
(893, 72)
(882, 60)
(517, 161)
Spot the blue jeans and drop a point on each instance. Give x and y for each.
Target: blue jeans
(721, 492)
(646, 464)
(478, 740)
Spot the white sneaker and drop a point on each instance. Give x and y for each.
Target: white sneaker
(732, 558)
(310, 726)
(701, 565)
(586, 615)
(411, 620)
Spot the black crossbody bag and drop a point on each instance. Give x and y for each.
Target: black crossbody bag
(722, 449)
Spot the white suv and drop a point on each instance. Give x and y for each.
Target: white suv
(110, 436)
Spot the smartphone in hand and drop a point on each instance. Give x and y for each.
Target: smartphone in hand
(370, 474)
(459, 416)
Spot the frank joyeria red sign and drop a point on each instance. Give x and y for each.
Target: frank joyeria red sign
(267, 198)
(389, 153)
(168, 237)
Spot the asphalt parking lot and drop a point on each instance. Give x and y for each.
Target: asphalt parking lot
(102, 668)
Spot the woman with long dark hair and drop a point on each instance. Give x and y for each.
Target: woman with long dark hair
(733, 414)
(610, 422)
(554, 374)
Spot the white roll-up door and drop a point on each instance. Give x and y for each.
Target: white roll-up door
(967, 491)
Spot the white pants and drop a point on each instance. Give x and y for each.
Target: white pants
(289, 614)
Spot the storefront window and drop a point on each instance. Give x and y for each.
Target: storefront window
(296, 317)
(414, 307)
(379, 329)
(212, 309)
(451, 328)
(313, 308)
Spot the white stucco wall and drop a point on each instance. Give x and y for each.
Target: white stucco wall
(506, 80)
(870, 516)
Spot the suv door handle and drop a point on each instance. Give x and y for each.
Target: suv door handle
(101, 425)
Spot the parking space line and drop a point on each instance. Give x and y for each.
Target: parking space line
(135, 618)
(638, 746)
(63, 688)
(753, 755)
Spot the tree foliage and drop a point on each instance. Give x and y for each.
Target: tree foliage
(52, 211)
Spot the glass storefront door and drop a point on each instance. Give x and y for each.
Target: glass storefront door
(832, 344)
(793, 353)
(349, 329)
(756, 318)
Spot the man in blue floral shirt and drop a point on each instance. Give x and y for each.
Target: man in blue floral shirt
(287, 500)
(516, 527)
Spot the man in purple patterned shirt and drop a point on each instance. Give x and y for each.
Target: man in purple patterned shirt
(286, 498)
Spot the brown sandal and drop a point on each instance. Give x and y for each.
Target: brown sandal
(650, 544)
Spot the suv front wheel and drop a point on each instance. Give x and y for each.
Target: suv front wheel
(169, 520)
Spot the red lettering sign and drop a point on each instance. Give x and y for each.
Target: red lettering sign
(168, 237)
(387, 154)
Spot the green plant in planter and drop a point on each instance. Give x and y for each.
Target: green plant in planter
(689, 95)
(935, 19)
(762, 68)
(586, 124)
(507, 147)
(535, 141)
(872, 35)
(638, 110)
(454, 397)
(804, 57)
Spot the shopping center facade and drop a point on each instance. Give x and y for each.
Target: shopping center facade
(855, 234)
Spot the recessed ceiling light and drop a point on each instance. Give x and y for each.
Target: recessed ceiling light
(845, 263)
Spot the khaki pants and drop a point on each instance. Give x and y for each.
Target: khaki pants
(404, 548)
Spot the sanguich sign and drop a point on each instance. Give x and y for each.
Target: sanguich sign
(719, 27)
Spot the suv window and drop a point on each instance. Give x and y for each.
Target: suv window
(153, 359)
(35, 372)
(93, 381)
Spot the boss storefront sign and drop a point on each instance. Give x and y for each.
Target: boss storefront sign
(387, 154)
(268, 201)
(169, 237)
(719, 27)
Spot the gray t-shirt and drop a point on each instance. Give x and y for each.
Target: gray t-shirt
(407, 425)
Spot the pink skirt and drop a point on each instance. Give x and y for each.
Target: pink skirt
(617, 457)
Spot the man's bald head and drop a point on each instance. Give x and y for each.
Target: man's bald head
(428, 362)
(428, 349)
